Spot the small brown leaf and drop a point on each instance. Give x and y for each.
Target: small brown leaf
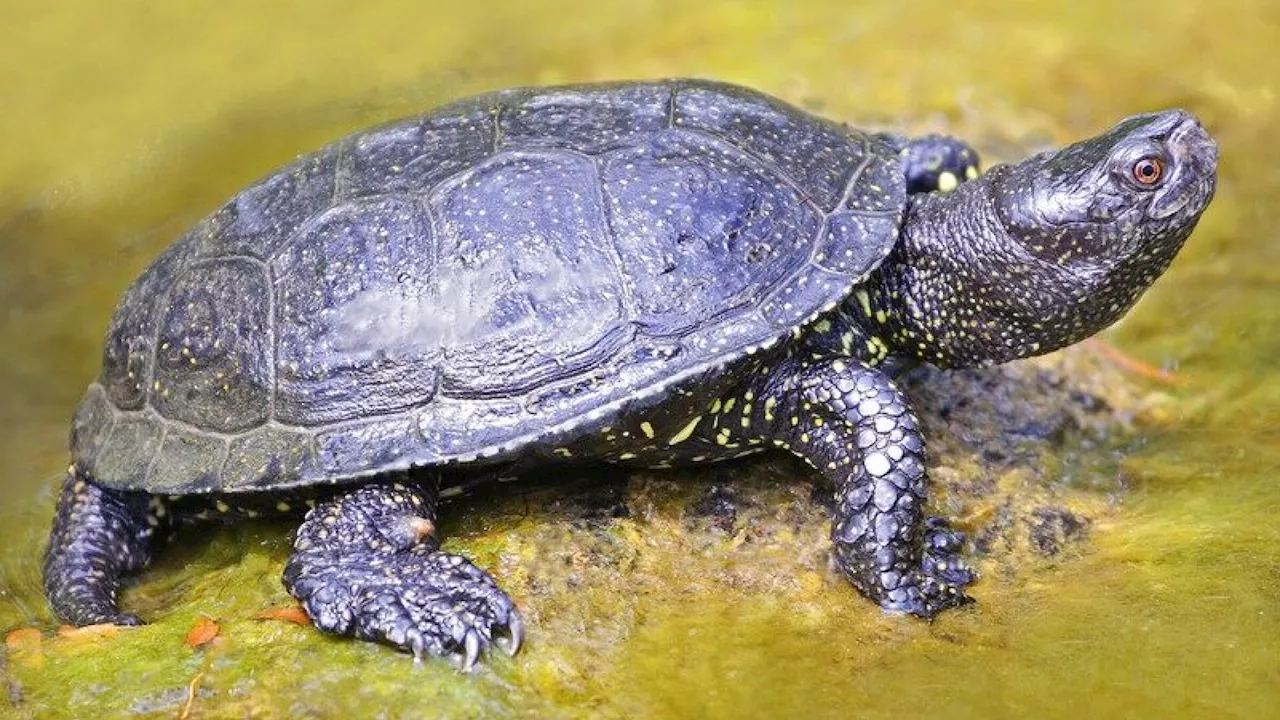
(88, 632)
(201, 632)
(291, 613)
(23, 639)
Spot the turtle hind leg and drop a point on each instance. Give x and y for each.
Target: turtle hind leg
(934, 162)
(367, 564)
(99, 537)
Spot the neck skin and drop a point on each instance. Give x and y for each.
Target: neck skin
(959, 291)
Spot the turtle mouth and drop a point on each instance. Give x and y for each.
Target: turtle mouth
(1195, 171)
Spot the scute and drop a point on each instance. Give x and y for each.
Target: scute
(412, 156)
(702, 230)
(267, 457)
(529, 279)
(263, 217)
(816, 154)
(129, 450)
(188, 460)
(213, 355)
(589, 120)
(490, 278)
(355, 314)
(129, 349)
(850, 243)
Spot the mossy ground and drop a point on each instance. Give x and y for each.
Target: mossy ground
(1123, 527)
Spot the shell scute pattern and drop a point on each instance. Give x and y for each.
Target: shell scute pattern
(479, 279)
(528, 282)
(411, 157)
(213, 350)
(265, 216)
(817, 155)
(586, 120)
(728, 230)
(351, 313)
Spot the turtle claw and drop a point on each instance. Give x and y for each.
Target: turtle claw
(515, 634)
(472, 646)
(417, 647)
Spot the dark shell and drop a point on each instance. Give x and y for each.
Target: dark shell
(477, 280)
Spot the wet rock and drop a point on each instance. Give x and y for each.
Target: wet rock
(1054, 527)
(719, 505)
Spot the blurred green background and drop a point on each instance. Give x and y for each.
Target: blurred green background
(121, 123)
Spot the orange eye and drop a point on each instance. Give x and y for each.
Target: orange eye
(1148, 170)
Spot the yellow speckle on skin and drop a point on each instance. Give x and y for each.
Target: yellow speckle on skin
(865, 301)
(728, 404)
(971, 172)
(715, 405)
(948, 181)
(221, 506)
(626, 456)
(768, 407)
(647, 429)
(283, 506)
(685, 432)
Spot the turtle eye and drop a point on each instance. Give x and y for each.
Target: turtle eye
(1148, 171)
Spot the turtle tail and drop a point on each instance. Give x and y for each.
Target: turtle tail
(99, 536)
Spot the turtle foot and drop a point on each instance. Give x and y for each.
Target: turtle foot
(939, 583)
(936, 584)
(419, 601)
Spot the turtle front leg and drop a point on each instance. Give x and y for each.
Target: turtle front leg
(934, 162)
(850, 422)
(367, 564)
(99, 536)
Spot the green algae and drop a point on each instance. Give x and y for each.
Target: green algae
(685, 594)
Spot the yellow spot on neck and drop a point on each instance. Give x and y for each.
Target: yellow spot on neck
(647, 429)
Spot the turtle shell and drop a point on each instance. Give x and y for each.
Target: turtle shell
(471, 282)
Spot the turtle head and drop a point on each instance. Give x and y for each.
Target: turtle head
(1043, 253)
(1125, 200)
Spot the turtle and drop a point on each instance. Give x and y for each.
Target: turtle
(642, 274)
